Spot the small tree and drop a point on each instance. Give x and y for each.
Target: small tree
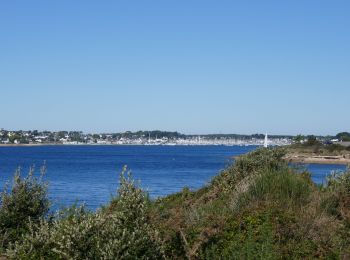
(312, 140)
(299, 138)
(344, 136)
(14, 137)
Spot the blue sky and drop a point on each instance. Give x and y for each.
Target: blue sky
(281, 67)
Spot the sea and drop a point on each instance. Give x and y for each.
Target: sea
(89, 174)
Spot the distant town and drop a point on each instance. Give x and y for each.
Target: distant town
(156, 137)
(134, 138)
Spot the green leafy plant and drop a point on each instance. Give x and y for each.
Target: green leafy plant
(25, 202)
(122, 231)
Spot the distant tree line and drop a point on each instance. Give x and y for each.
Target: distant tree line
(344, 136)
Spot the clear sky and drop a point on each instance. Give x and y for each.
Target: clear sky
(281, 67)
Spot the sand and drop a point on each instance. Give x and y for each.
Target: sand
(318, 159)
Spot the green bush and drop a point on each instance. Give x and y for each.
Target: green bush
(312, 141)
(344, 136)
(338, 200)
(247, 237)
(121, 231)
(334, 147)
(339, 181)
(26, 201)
(249, 165)
(283, 188)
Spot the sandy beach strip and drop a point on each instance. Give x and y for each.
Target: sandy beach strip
(325, 159)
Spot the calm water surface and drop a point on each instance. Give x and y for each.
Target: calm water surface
(90, 173)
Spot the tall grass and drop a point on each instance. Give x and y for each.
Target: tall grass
(283, 188)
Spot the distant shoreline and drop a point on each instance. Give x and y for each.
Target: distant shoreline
(317, 159)
(317, 153)
(16, 145)
(58, 144)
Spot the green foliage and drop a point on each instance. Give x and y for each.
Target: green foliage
(23, 140)
(247, 166)
(25, 202)
(339, 181)
(76, 136)
(283, 188)
(312, 141)
(95, 136)
(256, 208)
(299, 138)
(344, 136)
(122, 231)
(315, 147)
(3, 134)
(62, 134)
(334, 147)
(246, 237)
(338, 200)
(14, 137)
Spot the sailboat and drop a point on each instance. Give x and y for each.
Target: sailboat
(266, 141)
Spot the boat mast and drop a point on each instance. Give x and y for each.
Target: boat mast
(265, 141)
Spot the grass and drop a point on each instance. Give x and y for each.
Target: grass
(283, 188)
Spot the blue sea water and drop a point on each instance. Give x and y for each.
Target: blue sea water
(90, 173)
(320, 171)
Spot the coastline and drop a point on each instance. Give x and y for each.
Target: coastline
(124, 144)
(18, 145)
(317, 159)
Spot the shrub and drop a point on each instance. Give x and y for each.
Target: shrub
(339, 181)
(283, 188)
(25, 202)
(247, 237)
(344, 136)
(312, 141)
(334, 147)
(121, 231)
(248, 166)
(338, 184)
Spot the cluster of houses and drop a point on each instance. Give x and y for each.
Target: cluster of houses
(127, 138)
(36, 137)
(156, 138)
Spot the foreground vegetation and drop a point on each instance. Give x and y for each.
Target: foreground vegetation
(256, 208)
